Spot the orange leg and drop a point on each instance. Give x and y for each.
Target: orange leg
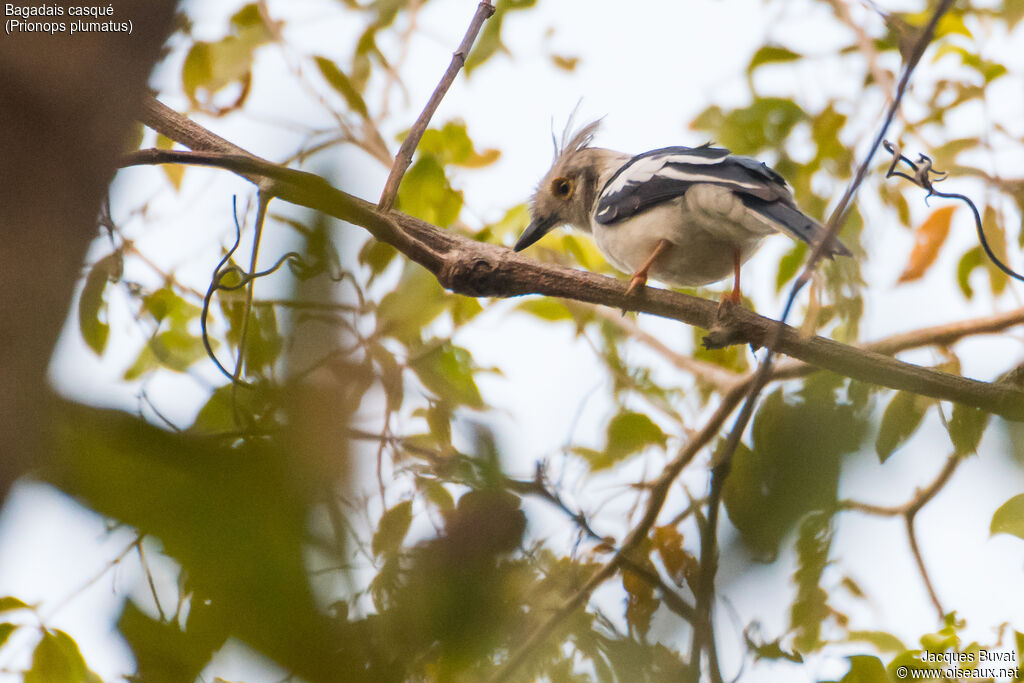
(639, 278)
(735, 296)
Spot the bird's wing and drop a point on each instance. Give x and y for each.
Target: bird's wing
(663, 174)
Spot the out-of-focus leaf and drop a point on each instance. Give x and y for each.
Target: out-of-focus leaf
(1013, 11)
(944, 156)
(211, 66)
(789, 264)
(337, 79)
(238, 528)
(928, 239)
(377, 255)
(436, 493)
(865, 669)
(57, 658)
(881, 640)
(426, 193)
(825, 129)
(174, 172)
(681, 565)
(794, 465)
(392, 528)
(764, 124)
(165, 304)
(810, 608)
(488, 43)
(10, 603)
(996, 238)
(771, 651)
(447, 371)
(164, 653)
(218, 413)
(972, 258)
(966, 427)
(901, 419)
(988, 70)
(404, 312)
(771, 54)
(507, 228)
(640, 602)
(6, 629)
(627, 433)
(451, 144)
(545, 308)
(464, 308)
(92, 301)
(565, 63)
(1009, 518)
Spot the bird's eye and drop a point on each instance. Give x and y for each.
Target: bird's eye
(561, 187)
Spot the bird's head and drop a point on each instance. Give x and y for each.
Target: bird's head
(567, 192)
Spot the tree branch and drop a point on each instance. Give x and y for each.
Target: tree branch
(478, 269)
(404, 157)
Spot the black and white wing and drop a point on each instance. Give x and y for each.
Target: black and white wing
(663, 174)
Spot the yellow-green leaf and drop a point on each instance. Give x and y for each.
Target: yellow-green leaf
(1009, 518)
(174, 172)
(337, 79)
(901, 419)
(447, 371)
(426, 193)
(771, 54)
(57, 658)
(92, 301)
(393, 526)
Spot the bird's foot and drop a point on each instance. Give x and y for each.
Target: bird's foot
(638, 280)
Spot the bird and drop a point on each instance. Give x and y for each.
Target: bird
(686, 216)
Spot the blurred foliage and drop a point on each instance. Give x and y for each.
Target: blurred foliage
(261, 501)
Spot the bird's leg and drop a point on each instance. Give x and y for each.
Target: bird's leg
(639, 278)
(735, 296)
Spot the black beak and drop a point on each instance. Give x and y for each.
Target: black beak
(534, 231)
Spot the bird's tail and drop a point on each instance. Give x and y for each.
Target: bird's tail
(796, 223)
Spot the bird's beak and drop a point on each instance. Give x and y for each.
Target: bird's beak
(537, 228)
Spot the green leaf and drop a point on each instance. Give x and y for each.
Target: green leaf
(771, 54)
(426, 193)
(901, 419)
(966, 427)
(211, 66)
(881, 640)
(174, 172)
(165, 304)
(630, 432)
(415, 302)
(996, 237)
(57, 658)
(378, 256)
(793, 467)
(92, 302)
(6, 629)
(865, 669)
(972, 258)
(218, 414)
(11, 603)
(789, 264)
(447, 371)
(451, 144)
(489, 42)
(764, 124)
(392, 528)
(545, 308)
(640, 602)
(810, 608)
(337, 79)
(1009, 518)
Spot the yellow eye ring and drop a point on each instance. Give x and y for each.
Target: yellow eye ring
(562, 187)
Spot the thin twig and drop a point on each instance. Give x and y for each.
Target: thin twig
(404, 157)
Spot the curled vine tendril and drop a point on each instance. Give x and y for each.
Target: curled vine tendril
(924, 176)
(229, 272)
